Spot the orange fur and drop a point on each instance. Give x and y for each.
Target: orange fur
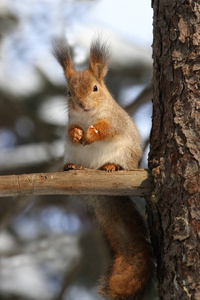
(132, 266)
(75, 133)
(110, 167)
(101, 130)
(99, 57)
(95, 117)
(69, 166)
(62, 54)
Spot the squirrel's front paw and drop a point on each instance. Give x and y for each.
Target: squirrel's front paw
(92, 135)
(75, 134)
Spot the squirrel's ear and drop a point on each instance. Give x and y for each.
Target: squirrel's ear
(99, 58)
(61, 52)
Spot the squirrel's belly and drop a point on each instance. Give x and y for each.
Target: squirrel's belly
(97, 154)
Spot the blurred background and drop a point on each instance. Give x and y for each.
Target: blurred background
(49, 246)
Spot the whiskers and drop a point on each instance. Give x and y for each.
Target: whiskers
(55, 111)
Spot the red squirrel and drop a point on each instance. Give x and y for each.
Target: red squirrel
(101, 135)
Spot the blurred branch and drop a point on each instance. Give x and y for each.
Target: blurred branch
(25, 265)
(69, 278)
(31, 154)
(38, 248)
(144, 97)
(88, 182)
(19, 204)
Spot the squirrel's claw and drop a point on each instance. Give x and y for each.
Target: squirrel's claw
(70, 166)
(111, 167)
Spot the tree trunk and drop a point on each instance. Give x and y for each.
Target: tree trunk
(174, 216)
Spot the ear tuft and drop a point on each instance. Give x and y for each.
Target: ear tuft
(99, 58)
(61, 51)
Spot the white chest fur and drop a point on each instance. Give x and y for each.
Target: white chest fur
(98, 153)
(95, 155)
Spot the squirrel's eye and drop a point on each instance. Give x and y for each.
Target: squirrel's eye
(69, 94)
(95, 89)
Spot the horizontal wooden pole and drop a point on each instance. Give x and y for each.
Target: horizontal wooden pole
(76, 182)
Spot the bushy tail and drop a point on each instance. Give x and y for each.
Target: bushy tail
(126, 280)
(132, 266)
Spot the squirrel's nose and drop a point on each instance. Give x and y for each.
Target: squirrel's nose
(82, 105)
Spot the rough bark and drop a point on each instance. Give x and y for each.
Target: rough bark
(174, 157)
(76, 182)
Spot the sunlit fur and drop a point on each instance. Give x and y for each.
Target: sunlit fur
(114, 140)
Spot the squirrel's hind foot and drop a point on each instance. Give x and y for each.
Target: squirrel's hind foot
(111, 167)
(70, 166)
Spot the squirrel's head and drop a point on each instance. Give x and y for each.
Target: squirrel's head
(86, 89)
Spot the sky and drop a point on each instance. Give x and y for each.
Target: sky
(131, 19)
